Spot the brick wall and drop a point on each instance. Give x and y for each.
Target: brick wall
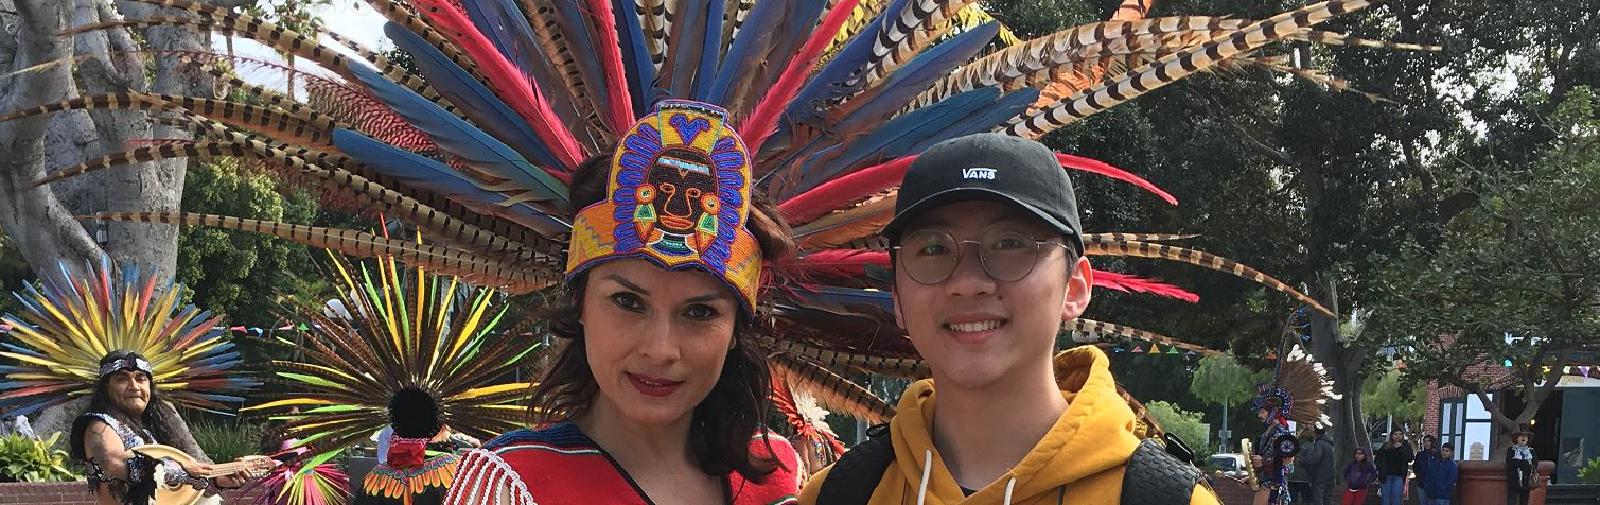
(1487, 373)
(75, 493)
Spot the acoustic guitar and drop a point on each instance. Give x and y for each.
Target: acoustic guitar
(184, 494)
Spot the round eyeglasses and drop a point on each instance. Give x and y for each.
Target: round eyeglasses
(930, 256)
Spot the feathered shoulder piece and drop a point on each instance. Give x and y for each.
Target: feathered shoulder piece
(67, 325)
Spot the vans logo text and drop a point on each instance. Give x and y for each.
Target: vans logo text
(977, 173)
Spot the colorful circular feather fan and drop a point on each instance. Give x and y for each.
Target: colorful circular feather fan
(67, 326)
(399, 328)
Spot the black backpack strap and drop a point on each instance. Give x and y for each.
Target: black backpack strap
(1155, 477)
(857, 473)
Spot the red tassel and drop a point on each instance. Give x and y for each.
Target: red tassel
(764, 117)
(1100, 167)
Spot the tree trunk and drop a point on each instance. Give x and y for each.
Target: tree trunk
(40, 218)
(1344, 367)
(1327, 345)
(42, 228)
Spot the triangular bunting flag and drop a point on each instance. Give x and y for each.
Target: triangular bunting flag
(1172, 350)
(1138, 349)
(1155, 348)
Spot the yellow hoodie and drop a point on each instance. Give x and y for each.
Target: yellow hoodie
(1079, 461)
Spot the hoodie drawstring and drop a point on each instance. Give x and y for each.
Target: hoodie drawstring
(927, 465)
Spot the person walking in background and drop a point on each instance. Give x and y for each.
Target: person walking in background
(1442, 473)
(1322, 470)
(1394, 460)
(1425, 458)
(1519, 469)
(1358, 477)
(1300, 471)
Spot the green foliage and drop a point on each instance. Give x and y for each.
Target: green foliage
(1513, 277)
(226, 439)
(1385, 395)
(1222, 380)
(1183, 424)
(243, 274)
(24, 459)
(1590, 473)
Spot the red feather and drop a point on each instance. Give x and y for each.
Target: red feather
(619, 113)
(1135, 284)
(1103, 168)
(764, 117)
(508, 82)
(846, 263)
(844, 190)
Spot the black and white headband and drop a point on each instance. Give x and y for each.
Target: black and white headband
(126, 364)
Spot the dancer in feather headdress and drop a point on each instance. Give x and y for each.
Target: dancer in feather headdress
(126, 350)
(475, 141)
(1299, 392)
(413, 352)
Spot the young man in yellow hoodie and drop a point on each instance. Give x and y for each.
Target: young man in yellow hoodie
(988, 265)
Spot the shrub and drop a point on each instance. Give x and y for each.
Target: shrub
(25, 459)
(1590, 473)
(225, 440)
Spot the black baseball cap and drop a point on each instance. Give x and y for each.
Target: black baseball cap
(989, 166)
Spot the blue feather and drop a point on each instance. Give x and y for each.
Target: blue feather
(798, 24)
(880, 300)
(688, 44)
(434, 176)
(892, 94)
(755, 36)
(972, 111)
(903, 85)
(580, 42)
(635, 56)
(470, 96)
(465, 141)
(710, 50)
(828, 83)
(503, 24)
(19, 349)
(985, 119)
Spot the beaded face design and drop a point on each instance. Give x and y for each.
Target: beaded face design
(678, 195)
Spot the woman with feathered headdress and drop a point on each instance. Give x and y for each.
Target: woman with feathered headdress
(659, 392)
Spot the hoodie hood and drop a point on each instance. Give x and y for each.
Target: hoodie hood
(1094, 436)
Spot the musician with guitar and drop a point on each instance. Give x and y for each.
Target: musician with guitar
(117, 440)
